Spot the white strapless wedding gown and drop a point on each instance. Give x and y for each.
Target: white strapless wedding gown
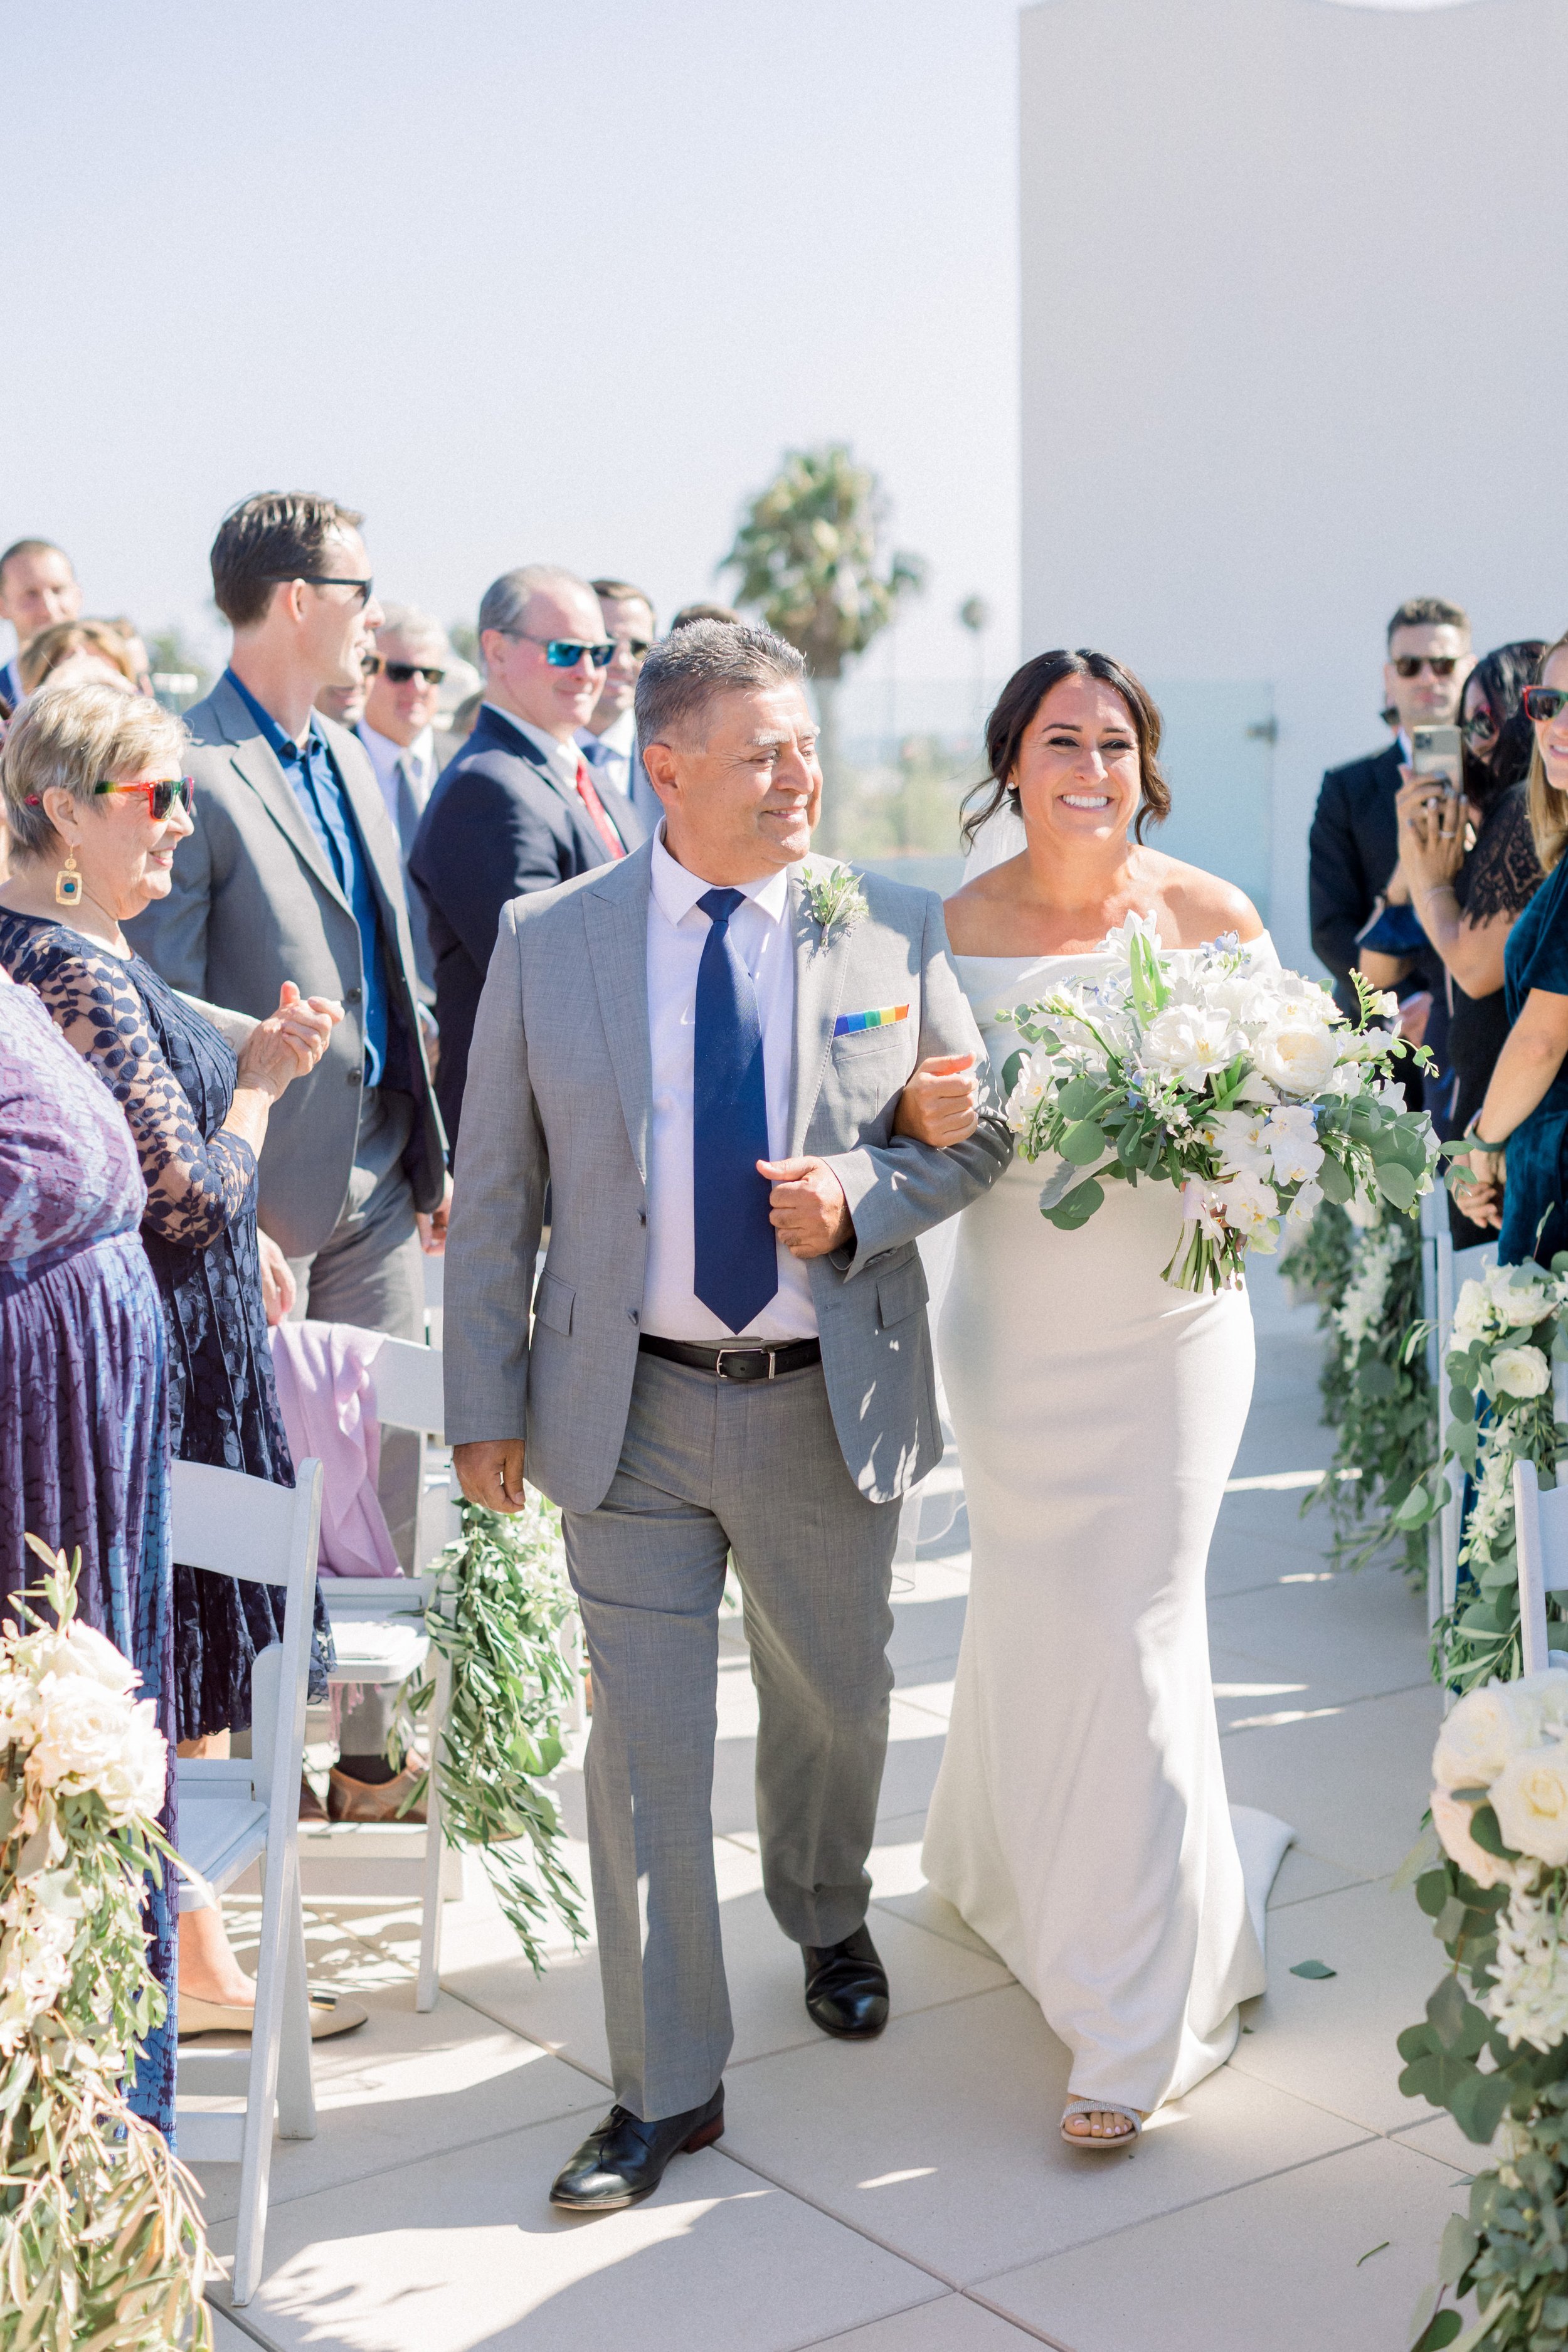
(1080, 1822)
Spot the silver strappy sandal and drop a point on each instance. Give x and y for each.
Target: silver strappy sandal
(1101, 2145)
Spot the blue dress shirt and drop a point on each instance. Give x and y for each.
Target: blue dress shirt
(314, 780)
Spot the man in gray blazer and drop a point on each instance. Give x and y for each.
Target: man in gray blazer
(294, 872)
(702, 1050)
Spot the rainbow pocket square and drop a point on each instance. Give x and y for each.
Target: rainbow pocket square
(882, 1016)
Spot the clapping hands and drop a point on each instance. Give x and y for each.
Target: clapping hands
(289, 1042)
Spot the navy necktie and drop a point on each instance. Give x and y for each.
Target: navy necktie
(736, 1264)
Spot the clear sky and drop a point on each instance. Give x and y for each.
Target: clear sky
(524, 280)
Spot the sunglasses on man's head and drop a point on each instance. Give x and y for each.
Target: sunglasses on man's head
(1543, 702)
(401, 672)
(565, 653)
(161, 798)
(1412, 665)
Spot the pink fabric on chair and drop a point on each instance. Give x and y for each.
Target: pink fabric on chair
(327, 1394)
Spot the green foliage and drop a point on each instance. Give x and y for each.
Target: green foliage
(101, 2246)
(497, 1621)
(1376, 1390)
(806, 552)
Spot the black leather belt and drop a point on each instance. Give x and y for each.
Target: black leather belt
(737, 1360)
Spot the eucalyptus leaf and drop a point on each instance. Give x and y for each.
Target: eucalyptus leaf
(1078, 1208)
(1083, 1144)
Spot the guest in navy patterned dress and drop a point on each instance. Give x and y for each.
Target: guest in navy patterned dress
(84, 1449)
(96, 802)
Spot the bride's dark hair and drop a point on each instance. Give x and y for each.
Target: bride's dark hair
(1016, 707)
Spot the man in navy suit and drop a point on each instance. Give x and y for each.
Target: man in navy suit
(518, 809)
(1355, 835)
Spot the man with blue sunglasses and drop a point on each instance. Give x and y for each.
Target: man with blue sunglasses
(519, 808)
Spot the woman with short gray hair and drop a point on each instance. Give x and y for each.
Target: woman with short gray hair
(97, 802)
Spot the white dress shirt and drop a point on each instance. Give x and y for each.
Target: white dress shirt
(416, 759)
(676, 933)
(609, 755)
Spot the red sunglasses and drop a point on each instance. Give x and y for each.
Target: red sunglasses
(1543, 702)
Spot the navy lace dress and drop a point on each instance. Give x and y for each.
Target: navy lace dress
(173, 1075)
(1535, 1190)
(84, 1439)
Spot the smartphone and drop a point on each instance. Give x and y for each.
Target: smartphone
(1439, 752)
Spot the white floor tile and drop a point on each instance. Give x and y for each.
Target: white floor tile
(941, 2139)
(462, 2251)
(1276, 2267)
(1352, 1784)
(953, 2325)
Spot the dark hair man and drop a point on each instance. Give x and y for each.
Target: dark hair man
(37, 588)
(293, 871)
(518, 809)
(609, 740)
(1355, 843)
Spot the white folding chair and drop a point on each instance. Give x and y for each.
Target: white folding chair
(1540, 1529)
(378, 1632)
(1451, 1269)
(246, 1810)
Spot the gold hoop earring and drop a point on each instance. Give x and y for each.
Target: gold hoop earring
(67, 882)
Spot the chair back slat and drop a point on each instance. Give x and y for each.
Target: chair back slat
(240, 1526)
(1540, 1528)
(409, 1388)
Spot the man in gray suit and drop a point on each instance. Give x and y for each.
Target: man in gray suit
(294, 872)
(702, 1050)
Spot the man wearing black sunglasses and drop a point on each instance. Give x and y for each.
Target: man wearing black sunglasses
(408, 670)
(609, 740)
(1355, 835)
(519, 808)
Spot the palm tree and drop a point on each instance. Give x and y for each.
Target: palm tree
(807, 552)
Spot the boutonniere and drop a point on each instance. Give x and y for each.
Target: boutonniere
(836, 900)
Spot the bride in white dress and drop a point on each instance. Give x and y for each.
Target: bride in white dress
(1080, 1822)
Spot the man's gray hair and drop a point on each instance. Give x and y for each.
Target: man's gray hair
(506, 600)
(685, 670)
(419, 627)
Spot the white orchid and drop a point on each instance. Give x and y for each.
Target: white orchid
(1188, 1043)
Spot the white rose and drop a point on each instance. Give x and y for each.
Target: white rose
(1187, 1042)
(1539, 1705)
(1299, 1060)
(1522, 1302)
(90, 1738)
(1479, 1737)
(80, 1650)
(1519, 1371)
(1451, 1820)
(1473, 1312)
(1530, 1798)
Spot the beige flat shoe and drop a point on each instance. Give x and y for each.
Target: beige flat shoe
(349, 1800)
(329, 2014)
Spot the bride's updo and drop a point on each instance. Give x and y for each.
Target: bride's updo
(1016, 707)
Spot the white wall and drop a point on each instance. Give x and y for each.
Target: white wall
(1295, 345)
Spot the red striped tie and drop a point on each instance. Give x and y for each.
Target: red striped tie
(597, 814)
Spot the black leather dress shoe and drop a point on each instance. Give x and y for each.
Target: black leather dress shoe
(847, 1986)
(623, 2159)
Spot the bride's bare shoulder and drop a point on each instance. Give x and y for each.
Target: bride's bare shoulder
(1201, 903)
(973, 907)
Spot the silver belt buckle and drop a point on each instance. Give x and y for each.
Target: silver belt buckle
(720, 1373)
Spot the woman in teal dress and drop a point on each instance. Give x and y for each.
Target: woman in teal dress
(1522, 1130)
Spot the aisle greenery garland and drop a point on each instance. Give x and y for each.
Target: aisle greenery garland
(502, 1598)
(1365, 1274)
(101, 2245)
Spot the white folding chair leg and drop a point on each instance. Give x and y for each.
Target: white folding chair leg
(429, 1982)
(296, 2089)
(281, 1894)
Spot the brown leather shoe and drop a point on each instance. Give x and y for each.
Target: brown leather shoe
(349, 1800)
(311, 1806)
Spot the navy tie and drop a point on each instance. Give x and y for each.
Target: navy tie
(735, 1266)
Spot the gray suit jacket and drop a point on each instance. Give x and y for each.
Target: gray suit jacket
(562, 1060)
(255, 902)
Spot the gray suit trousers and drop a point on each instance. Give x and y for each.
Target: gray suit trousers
(711, 1467)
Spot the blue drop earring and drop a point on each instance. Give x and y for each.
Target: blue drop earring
(67, 882)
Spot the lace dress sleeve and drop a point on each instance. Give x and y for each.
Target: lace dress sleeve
(1503, 874)
(194, 1186)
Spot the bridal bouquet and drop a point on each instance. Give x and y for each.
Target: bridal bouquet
(100, 2236)
(1243, 1087)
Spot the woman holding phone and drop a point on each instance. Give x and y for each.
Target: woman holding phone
(1519, 1157)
